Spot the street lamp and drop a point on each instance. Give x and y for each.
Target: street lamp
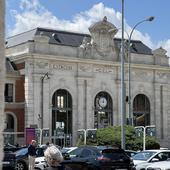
(129, 68)
(122, 84)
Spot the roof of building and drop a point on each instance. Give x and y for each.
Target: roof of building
(68, 39)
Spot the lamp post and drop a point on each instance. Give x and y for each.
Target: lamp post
(129, 68)
(122, 84)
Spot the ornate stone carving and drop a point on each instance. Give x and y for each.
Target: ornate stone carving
(102, 34)
(103, 69)
(85, 68)
(86, 46)
(42, 64)
(101, 43)
(163, 75)
(61, 67)
(141, 74)
(160, 51)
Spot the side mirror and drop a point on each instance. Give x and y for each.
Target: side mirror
(67, 156)
(155, 160)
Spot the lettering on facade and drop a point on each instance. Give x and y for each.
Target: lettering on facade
(85, 68)
(103, 69)
(62, 67)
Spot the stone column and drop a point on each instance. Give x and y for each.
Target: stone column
(80, 104)
(2, 74)
(29, 95)
(89, 105)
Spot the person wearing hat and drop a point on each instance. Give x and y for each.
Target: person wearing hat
(32, 154)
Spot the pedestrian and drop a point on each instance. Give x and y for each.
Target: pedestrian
(54, 158)
(32, 154)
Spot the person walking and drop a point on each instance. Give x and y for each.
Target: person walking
(32, 154)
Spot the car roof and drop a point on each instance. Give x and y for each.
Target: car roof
(157, 150)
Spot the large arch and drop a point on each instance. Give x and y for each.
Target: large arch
(103, 110)
(141, 110)
(62, 118)
(10, 128)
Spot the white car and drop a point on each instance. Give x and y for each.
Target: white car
(163, 165)
(40, 163)
(145, 158)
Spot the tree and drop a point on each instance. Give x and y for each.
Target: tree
(112, 136)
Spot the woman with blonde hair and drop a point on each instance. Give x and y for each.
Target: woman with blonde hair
(54, 157)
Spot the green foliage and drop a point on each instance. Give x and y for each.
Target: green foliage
(151, 143)
(112, 136)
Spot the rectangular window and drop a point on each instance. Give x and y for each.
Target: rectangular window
(8, 92)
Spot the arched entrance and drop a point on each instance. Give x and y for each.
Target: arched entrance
(9, 129)
(103, 116)
(62, 118)
(141, 110)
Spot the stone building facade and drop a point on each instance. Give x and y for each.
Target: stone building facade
(72, 81)
(2, 73)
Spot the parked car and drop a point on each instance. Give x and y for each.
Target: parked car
(9, 160)
(84, 153)
(115, 159)
(22, 157)
(163, 165)
(13, 148)
(131, 153)
(67, 150)
(40, 163)
(128, 152)
(145, 158)
(106, 159)
(79, 165)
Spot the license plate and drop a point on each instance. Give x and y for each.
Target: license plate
(5, 162)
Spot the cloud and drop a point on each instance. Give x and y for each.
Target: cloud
(32, 14)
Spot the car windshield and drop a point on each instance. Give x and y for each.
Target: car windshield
(143, 156)
(114, 154)
(65, 150)
(23, 151)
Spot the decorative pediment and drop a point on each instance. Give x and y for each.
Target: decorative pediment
(161, 57)
(101, 44)
(103, 27)
(160, 51)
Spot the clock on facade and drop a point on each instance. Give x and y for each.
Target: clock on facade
(102, 102)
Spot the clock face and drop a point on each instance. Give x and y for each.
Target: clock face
(102, 102)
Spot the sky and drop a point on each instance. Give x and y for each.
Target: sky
(78, 15)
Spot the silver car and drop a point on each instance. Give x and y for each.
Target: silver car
(145, 158)
(163, 165)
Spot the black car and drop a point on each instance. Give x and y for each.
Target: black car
(9, 160)
(78, 165)
(115, 159)
(84, 153)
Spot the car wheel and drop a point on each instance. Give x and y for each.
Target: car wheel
(20, 166)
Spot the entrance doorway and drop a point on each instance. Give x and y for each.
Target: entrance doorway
(141, 110)
(62, 118)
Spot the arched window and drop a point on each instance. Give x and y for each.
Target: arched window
(62, 117)
(10, 127)
(141, 110)
(103, 115)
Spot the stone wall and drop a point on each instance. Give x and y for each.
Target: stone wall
(2, 74)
